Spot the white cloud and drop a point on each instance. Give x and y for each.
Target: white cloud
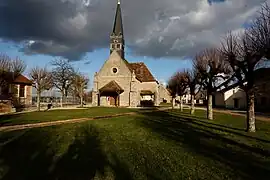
(157, 28)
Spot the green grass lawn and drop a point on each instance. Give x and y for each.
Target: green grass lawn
(162, 104)
(54, 115)
(158, 146)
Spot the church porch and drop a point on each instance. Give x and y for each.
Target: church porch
(109, 95)
(147, 98)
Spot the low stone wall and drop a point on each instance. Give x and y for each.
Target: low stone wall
(5, 106)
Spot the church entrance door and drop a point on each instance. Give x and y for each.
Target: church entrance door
(114, 100)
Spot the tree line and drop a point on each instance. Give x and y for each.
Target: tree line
(233, 61)
(63, 77)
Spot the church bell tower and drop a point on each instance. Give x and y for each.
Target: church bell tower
(117, 41)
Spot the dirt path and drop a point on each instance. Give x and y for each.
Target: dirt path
(79, 120)
(258, 117)
(54, 123)
(68, 121)
(231, 112)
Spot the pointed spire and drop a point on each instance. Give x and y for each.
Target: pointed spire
(118, 25)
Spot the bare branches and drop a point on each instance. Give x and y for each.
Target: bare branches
(178, 83)
(213, 70)
(79, 84)
(244, 53)
(41, 78)
(62, 75)
(10, 69)
(260, 31)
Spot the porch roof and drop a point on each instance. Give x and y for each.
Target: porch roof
(111, 87)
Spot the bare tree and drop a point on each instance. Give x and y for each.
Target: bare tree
(10, 69)
(62, 76)
(244, 52)
(214, 72)
(193, 81)
(42, 80)
(79, 85)
(178, 86)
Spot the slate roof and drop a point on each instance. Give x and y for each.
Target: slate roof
(118, 24)
(142, 72)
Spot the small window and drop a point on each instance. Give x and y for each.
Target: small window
(113, 46)
(114, 70)
(118, 45)
(22, 90)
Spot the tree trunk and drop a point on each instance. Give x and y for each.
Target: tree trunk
(61, 101)
(181, 103)
(251, 125)
(38, 100)
(209, 106)
(192, 107)
(173, 102)
(81, 98)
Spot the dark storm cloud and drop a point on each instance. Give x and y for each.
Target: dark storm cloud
(156, 28)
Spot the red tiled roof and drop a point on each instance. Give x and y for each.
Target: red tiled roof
(142, 72)
(21, 79)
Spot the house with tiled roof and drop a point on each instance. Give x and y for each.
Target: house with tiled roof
(120, 83)
(19, 88)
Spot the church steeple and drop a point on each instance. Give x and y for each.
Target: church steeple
(117, 41)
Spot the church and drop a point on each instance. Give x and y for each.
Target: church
(120, 83)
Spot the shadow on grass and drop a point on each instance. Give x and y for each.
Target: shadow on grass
(33, 155)
(5, 118)
(222, 128)
(244, 160)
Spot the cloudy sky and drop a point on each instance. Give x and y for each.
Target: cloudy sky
(164, 34)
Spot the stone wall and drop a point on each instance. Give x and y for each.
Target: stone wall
(116, 69)
(164, 94)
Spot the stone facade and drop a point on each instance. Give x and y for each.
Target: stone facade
(126, 79)
(164, 94)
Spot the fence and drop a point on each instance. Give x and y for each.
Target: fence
(56, 101)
